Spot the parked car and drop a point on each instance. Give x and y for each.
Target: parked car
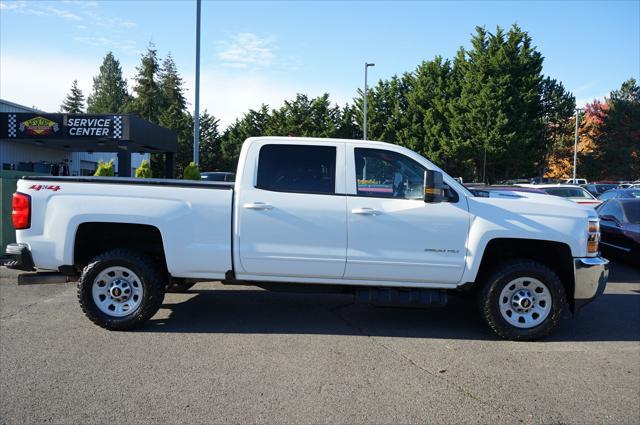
(500, 190)
(218, 176)
(597, 188)
(573, 193)
(630, 193)
(576, 181)
(370, 218)
(541, 180)
(620, 229)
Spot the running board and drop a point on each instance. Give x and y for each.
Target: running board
(401, 297)
(42, 278)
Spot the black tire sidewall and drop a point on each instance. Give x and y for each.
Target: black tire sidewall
(490, 301)
(152, 291)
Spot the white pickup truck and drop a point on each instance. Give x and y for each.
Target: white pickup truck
(316, 214)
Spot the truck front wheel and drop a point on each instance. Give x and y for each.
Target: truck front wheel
(522, 300)
(120, 289)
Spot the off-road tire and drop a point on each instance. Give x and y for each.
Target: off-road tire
(152, 279)
(489, 299)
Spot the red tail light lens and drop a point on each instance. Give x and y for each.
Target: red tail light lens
(21, 213)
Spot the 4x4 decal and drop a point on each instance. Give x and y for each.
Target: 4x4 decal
(38, 187)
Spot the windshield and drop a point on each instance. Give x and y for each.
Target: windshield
(568, 192)
(601, 188)
(632, 211)
(632, 194)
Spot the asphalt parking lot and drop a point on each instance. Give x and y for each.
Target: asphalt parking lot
(241, 354)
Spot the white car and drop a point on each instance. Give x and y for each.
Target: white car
(372, 218)
(576, 181)
(573, 193)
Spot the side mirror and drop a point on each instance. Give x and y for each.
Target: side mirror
(608, 217)
(433, 187)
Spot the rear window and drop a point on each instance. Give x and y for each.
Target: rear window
(297, 168)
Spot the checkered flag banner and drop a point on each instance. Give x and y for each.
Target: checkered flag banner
(11, 127)
(117, 126)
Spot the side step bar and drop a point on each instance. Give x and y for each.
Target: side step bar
(42, 278)
(401, 297)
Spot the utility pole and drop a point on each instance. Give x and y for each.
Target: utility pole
(484, 165)
(364, 126)
(575, 144)
(196, 118)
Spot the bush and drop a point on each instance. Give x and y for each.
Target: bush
(144, 170)
(191, 172)
(105, 169)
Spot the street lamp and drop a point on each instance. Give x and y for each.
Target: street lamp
(196, 118)
(366, 67)
(575, 145)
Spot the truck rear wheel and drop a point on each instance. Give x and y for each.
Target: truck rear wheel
(523, 300)
(120, 289)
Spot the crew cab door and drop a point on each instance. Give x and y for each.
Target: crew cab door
(291, 211)
(393, 235)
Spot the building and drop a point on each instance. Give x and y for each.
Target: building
(33, 142)
(25, 157)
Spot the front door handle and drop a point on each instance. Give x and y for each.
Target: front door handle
(366, 211)
(257, 206)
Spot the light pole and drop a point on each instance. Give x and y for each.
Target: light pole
(575, 144)
(196, 118)
(364, 126)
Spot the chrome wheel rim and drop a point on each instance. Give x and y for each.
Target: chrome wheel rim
(117, 291)
(525, 302)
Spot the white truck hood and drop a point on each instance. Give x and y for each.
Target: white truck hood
(508, 214)
(538, 204)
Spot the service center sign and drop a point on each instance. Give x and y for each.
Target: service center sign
(94, 126)
(59, 126)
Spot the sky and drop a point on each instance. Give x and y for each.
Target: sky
(266, 51)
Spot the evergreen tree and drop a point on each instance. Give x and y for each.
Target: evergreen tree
(426, 123)
(147, 102)
(173, 113)
(74, 102)
(211, 158)
(499, 113)
(348, 127)
(386, 104)
(109, 93)
(253, 123)
(304, 117)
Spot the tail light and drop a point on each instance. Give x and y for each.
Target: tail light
(593, 238)
(21, 213)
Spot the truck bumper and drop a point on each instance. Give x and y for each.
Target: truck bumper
(19, 257)
(590, 274)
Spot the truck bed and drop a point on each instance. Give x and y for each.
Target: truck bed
(195, 224)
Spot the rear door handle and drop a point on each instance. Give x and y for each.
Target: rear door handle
(366, 211)
(257, 206)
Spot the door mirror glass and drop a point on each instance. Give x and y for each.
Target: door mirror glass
(433, 187)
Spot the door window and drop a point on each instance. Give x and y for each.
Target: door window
(297, 168)
(386, 174)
